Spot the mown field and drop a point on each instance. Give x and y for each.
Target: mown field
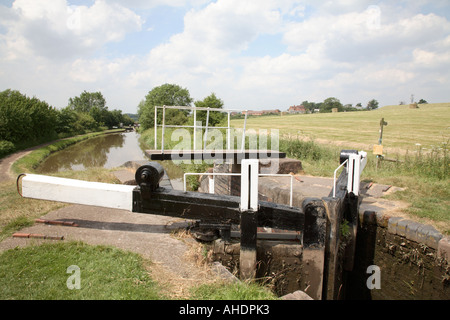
(428, 125)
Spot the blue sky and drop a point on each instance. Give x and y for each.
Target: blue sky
(255, 55)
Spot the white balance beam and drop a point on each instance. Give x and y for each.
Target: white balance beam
(106, 195)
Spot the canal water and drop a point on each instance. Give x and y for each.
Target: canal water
(105, 151)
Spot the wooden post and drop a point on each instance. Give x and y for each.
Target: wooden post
(247, 257)
(235, 181)
(249, 221)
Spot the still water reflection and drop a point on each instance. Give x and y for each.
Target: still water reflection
(106, 151)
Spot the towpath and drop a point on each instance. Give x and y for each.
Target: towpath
(7, 162)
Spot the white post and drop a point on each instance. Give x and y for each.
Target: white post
(249, 185)
(229, 131)
(243, 132)
(156, 128)
(355, 166)
(163, 128)
(195, 129)
(211, 184)
(206, 129)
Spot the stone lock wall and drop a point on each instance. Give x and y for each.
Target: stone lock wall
(413, 259)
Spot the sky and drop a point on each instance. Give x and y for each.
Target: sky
(253, 54)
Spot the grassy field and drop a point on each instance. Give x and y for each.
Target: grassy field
(429, 125)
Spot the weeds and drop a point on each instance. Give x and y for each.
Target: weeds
(235, 291)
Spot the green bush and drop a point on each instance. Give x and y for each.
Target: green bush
(24, 119)
(6, 147)
(306, 150)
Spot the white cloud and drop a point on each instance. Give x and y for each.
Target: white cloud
(55, 30)
(224, 26)
(355, 36)
(149, 4)
(97, 70)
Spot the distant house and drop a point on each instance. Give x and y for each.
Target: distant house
(297, 109)
(276, 111)
(260, 113)
(252, 113)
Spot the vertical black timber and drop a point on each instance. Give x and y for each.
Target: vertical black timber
(247, 259)
(315, 222)
(352, 203)
(235, 181)
(314, 240)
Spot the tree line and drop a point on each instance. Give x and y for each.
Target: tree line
(26, 121)
(333, 103)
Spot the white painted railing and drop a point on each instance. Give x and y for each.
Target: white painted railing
(214, 174)
(163, 125)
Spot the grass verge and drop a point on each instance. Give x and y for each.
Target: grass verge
(39, 272)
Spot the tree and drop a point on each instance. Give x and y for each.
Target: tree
(422, 101)
(372, 104)
(164, 95)
(65, 120)
(127, 120)
(213, 102)
(310, 106)
(331, 103)
(25, 120)
(88, 101)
